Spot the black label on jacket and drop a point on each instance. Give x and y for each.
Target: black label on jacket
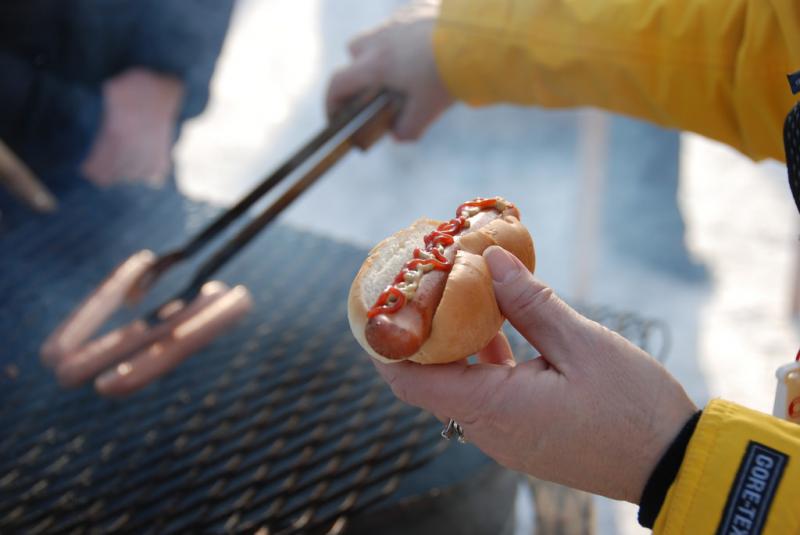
(752, 492)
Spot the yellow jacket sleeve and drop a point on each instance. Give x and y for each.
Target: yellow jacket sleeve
(716, 67)
(740, 474)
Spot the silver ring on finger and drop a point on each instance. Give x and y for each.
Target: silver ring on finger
(452, 429)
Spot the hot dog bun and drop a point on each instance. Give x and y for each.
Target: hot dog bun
(467, 317)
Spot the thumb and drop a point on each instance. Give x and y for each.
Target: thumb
(549, 324)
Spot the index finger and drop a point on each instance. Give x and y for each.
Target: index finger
(498, 351)
(362, 74)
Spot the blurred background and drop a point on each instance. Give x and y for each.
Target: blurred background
(667, 225)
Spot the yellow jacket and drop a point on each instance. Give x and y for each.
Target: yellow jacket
(716, 67)
(741, 471)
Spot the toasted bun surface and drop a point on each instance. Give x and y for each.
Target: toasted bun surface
(467, 317)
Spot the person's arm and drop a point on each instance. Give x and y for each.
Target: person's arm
(182, 38)
(134, 142)
(172, 55)
(740, 474)
(716, 67)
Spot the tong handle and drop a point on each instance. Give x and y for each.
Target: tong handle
(339, 121)
(362, 124)
(381, 122)
(375, 126)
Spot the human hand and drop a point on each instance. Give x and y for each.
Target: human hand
(140, 109)
(399, 56)
(594, 412)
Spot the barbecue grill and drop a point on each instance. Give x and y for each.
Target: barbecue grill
(280, 426)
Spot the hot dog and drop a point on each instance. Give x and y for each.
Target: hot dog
(141, 352)
(212, 312)
(425, 294)
(95, 310)
(95, 356)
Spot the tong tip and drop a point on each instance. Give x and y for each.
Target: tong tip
(148, 278)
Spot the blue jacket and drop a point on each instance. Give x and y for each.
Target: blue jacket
(55, 55)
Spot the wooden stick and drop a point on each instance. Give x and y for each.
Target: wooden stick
(22, 183)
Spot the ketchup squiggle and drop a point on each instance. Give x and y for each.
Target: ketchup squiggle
(402, 289)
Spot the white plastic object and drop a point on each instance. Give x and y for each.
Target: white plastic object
(787, 395)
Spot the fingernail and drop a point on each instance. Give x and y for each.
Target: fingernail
(502, 264)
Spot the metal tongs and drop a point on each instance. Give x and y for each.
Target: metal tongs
(132, 356)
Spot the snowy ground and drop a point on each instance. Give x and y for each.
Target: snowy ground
(730, 321)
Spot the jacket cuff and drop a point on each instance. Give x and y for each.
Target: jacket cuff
(737, 476)
(655, 491)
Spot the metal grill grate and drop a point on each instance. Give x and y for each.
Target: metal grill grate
(281, 425)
